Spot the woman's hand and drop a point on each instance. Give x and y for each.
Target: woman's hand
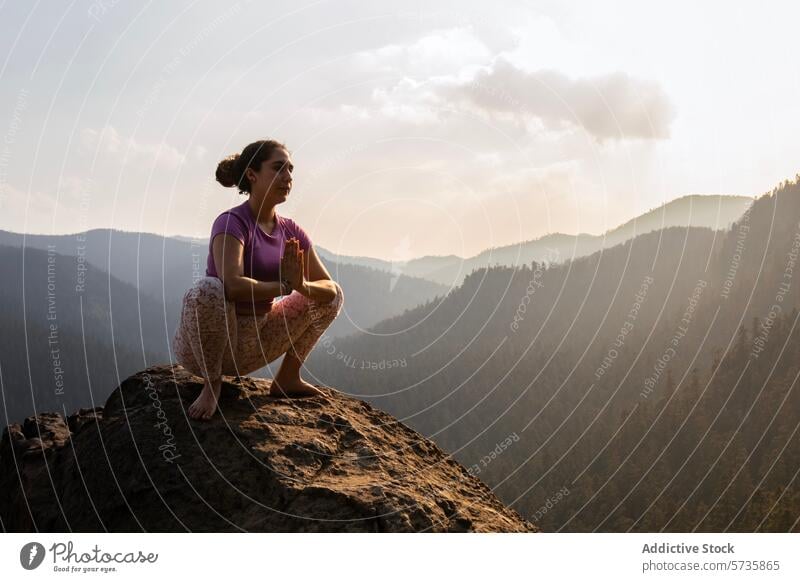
(293, 265)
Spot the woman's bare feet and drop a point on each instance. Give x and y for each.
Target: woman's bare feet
(206, 404)
(295, 388)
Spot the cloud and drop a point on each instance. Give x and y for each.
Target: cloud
(409, 101)
(438, 53)
(108, 140)
(411, 73)
(610, 106)
(449, 73)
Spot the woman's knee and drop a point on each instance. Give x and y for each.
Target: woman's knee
(339, 299)
(334, 306)
(206, 290)
(331, 304)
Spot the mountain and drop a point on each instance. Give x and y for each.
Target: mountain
(70, 328)
(68, 333)
(556, 358)
(648, 386)
(162, 268)
(710, 211)
(262, 464)
(715, 212)
(717, 452)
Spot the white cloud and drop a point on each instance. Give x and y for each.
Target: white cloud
(108, 140)
(442, 52)
(409, 101)
(415, 69)
(450, 74)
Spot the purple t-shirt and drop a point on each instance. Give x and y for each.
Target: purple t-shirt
(262, 251)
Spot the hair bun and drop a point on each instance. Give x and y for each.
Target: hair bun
(226, 171)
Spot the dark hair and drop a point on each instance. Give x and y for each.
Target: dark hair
(231, 170)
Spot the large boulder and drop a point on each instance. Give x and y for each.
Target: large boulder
(265, 464)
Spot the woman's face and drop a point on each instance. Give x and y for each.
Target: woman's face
(274, 180)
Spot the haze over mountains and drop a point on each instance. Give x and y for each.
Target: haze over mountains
(712, 211)
(716, 212)
(108, 302)
(68, 334)
(130, 287)
(162, 268)
(577, 362)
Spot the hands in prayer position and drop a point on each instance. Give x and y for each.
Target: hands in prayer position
(293, 265)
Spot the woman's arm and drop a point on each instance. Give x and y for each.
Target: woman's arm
(321, 290)
(318, 284)
(229, 260)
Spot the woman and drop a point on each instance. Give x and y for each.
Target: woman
(229, 322)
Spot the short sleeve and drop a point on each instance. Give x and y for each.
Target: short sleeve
(229, 223)
(297, 231)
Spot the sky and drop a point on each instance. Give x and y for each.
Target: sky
(415, 128)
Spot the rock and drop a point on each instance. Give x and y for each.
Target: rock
(263, 464)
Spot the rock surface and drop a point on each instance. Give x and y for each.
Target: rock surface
(265, 464)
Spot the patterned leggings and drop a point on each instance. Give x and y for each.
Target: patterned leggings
(212, 339)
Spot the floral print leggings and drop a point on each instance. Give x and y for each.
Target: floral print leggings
(212, 339)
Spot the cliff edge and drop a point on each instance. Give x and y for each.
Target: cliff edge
(265, 464)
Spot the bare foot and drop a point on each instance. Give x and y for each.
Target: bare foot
(293, 389)
(206, 404)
